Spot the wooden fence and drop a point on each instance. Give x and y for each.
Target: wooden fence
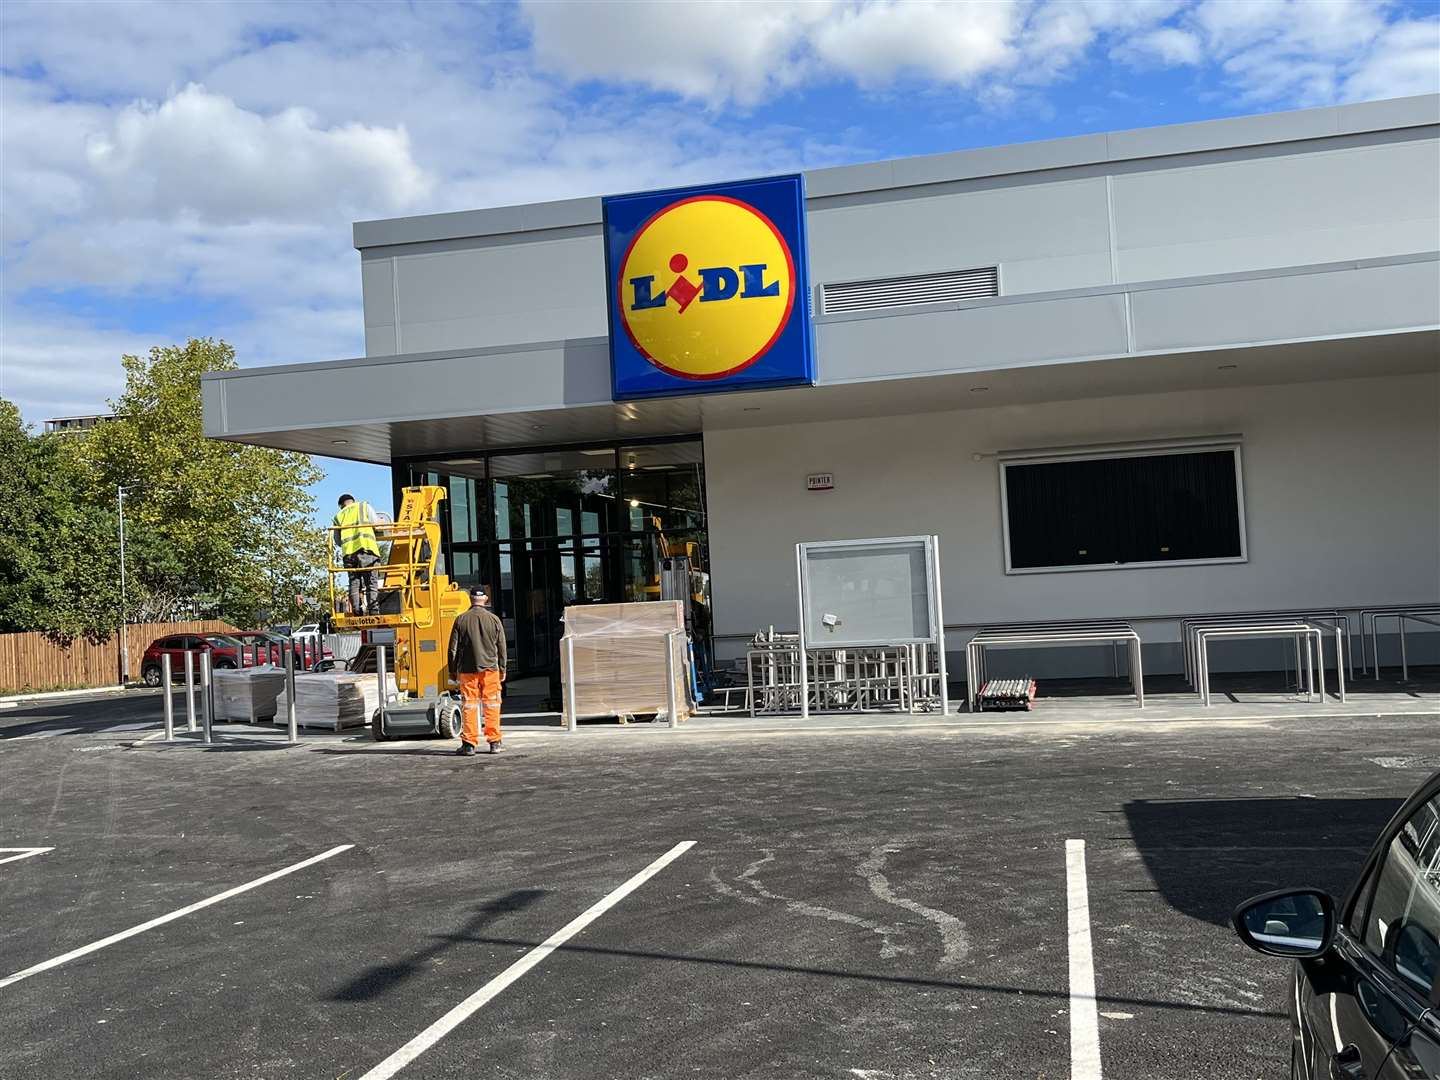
(32, 662)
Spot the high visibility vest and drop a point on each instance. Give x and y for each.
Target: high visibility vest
(353, 521)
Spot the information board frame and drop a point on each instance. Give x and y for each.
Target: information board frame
(930, 545)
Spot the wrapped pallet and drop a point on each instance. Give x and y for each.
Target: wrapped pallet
(332, 700)
(619, 659)
(249, 694)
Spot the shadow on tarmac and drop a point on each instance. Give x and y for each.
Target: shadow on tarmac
(1062, 995)
(381, 979)
(1206, 856)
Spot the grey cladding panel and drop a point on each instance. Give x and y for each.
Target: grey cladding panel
(1279, 196)
(478, 384)
(969, 339)
(1035, 224)
(1344, 302)
(507, 278)
(377, 290)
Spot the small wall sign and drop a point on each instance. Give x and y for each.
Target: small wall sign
(820, 481)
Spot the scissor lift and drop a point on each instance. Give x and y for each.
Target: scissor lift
(420, 606)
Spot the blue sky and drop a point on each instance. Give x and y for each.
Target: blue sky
(193, 169)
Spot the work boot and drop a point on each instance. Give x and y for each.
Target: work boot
(496, 748)
(466, 750)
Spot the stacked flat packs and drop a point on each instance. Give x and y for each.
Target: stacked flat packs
(619, 658)
(332, 700)
(249, 694)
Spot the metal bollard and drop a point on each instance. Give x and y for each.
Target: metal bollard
(380, 676)
(190, 691)
(572, 722)
(672, 703)
(168, 690)
(291, 722)
(207, 705)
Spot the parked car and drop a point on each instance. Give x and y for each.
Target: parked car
(225, 652)
(1367, 971)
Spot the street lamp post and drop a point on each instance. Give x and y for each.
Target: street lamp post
(124, 615)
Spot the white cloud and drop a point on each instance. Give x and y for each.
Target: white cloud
(710, 52)
(199, 153)
(1167, 46)
(873, 43)
(1405, 60)
(1304, 53)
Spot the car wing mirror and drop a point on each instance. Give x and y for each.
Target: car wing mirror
(1294, 923)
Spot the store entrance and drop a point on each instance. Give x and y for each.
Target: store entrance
(546, 529)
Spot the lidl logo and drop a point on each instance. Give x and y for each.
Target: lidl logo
(705, 286)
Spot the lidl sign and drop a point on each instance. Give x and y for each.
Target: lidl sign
(708, 289)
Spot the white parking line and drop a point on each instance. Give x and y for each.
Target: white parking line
(95, 946)
(492, 989)
(1084, 1025)
(25, 853)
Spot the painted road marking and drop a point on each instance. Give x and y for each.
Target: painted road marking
(1084, 1025)
(25, 853)
(492, 989)
(95, 946)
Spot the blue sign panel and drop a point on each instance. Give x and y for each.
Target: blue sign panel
(708, 289)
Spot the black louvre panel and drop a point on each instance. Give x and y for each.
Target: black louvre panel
(1108, 511)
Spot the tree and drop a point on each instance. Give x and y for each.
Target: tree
(212, 528)
(58, 552)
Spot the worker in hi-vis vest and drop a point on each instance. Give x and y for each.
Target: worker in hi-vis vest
(477, 663)
(359, 551)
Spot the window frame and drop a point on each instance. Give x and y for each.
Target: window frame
(1107, 453)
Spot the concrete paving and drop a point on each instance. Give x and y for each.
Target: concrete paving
(865, 897)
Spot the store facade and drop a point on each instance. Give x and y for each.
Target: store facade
(1133, 375)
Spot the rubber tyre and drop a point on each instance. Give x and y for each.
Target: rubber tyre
(225, 665)
(448, 720)
(377, 729)
(151, 675)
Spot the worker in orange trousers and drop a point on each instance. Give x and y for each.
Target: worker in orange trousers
(478, 660)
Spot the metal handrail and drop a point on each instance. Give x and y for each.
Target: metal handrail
(409, 571)
(1108, 633)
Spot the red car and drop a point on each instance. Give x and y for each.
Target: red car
(263, 646)
(225, 652)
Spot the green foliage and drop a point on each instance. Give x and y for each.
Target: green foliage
(212, 529)
(58, 570)
(222, 530)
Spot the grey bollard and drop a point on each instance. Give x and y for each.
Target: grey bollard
(571, 716)
(380, 675)
(190, 691)
(670, 696)
(290, 721)
(166, 673)
(207, 707)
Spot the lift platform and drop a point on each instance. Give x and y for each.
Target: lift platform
(418, 605)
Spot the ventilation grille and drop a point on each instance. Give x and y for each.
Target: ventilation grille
(895, 292)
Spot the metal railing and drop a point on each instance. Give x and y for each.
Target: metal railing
(422, 543)
(1311, 655)
(1055, 634)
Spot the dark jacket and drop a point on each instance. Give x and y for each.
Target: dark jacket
(477, 642)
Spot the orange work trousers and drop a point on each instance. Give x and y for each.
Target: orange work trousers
(480, 690)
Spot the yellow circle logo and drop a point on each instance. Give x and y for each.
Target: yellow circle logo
(706, 287)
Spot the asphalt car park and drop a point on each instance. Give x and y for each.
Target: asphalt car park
(832, 901)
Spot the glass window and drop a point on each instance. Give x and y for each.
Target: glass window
(1130, 508)
(665, 481)
(1403, 924)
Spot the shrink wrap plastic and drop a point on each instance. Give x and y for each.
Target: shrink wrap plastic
(249, 694)
(336, 699)
(619, 652)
